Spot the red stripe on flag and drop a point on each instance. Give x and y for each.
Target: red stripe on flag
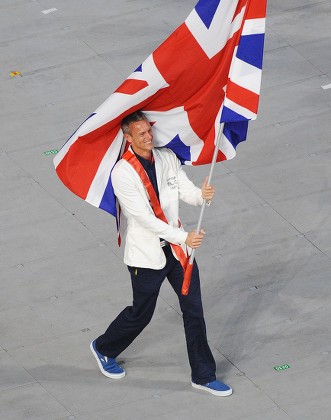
(240, 5)
(195, 83)
(131, 86)
(256, 9)
(80, 165)
(243, 97)
(207, 151)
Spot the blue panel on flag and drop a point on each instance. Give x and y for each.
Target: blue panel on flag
(108, 202)
(182, 151)
(250, 49)
(236, 132)
(206, 9)
(229, 116)
(140, 68)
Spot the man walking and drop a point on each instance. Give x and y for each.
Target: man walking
(148, 183)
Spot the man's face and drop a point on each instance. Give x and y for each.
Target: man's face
(141, 138)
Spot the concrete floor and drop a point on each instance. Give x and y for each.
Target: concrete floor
(266, 261)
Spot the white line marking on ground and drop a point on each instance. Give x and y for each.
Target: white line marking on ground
(326, 86)
(45, 12)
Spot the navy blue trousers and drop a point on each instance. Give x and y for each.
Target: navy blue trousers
(133, 319)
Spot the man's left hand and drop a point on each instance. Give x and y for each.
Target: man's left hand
(207, 191)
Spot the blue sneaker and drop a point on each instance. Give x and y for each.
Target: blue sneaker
(216, 388)
(107, 365)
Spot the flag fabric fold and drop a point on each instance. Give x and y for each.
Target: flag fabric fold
(207, 72)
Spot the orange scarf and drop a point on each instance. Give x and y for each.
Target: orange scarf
(155, 203)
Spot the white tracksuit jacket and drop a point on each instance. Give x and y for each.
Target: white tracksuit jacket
(144, 229)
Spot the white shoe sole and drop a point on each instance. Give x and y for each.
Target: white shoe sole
(212, 391)
(104, 372)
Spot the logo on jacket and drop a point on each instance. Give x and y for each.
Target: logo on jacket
(172, 183)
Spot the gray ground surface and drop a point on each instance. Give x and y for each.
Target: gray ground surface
(265, 264)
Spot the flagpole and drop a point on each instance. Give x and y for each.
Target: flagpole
(189, 268)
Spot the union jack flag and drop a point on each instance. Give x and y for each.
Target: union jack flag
(206, 73)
